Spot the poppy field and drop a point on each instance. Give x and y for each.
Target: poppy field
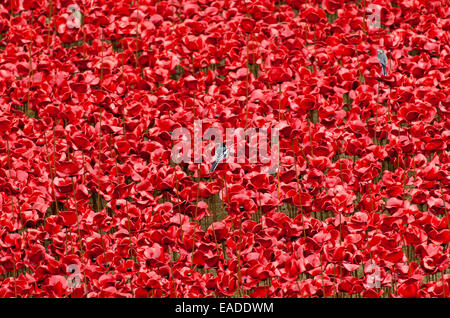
(94, 204)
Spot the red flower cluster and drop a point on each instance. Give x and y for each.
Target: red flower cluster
(91, 204)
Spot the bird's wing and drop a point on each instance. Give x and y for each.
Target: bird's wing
(214, 166)
(217, 158)
(382, 58)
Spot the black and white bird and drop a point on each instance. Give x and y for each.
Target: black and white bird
(221, 153)
(382, 58)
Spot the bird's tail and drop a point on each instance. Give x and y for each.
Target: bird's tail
(214, 166)
(384, 70)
